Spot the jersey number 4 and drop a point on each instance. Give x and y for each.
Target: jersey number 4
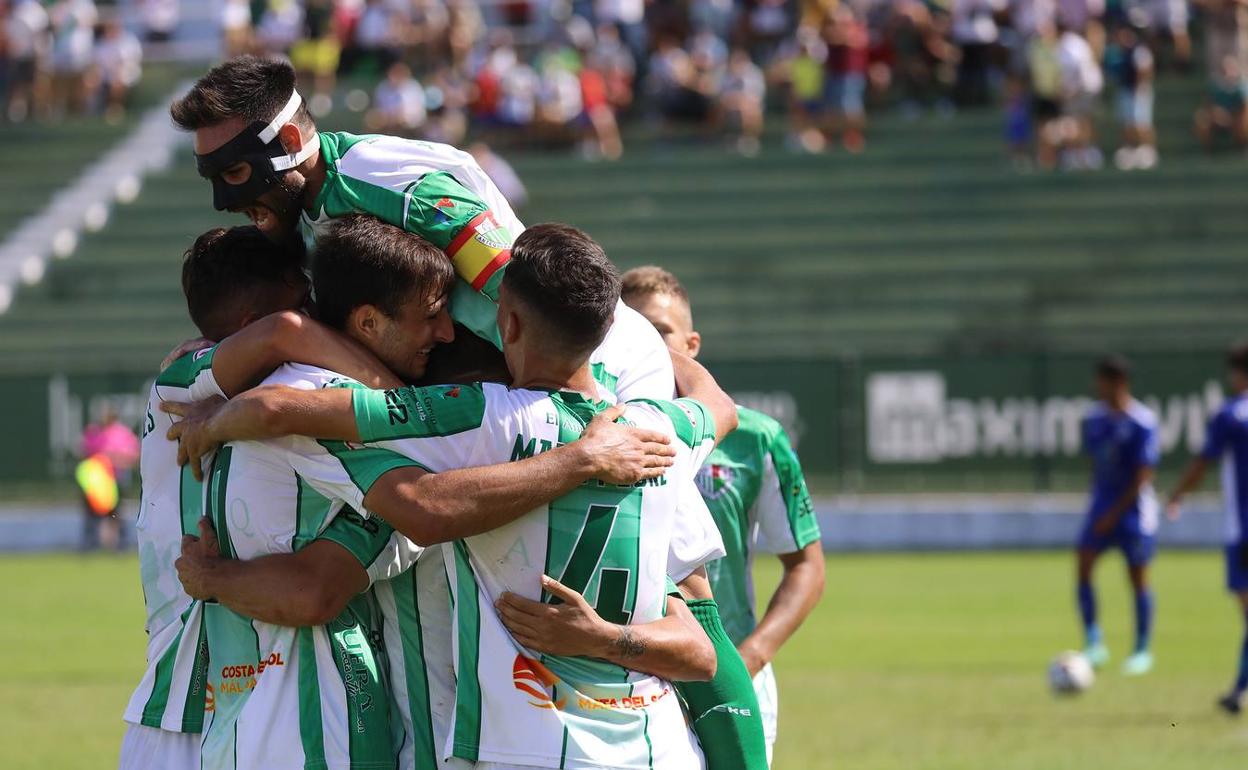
(613, 582)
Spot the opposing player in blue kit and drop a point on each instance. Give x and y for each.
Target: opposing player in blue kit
(1226, 439)
(1120, 434)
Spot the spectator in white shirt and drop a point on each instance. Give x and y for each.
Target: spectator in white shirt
(160, 19)
(975, 32)
(398, 104)
(741, 100)
(1082, 82)
(73, 40)
(26, 42)
(118, 66)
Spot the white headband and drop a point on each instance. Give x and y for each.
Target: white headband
(289, 161)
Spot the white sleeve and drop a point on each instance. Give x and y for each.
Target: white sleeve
(771, 514)
(399, 555)
(695, 538)
(381, 551)
(634, 354)
(341, 471)
(648, 377)
(205, 383)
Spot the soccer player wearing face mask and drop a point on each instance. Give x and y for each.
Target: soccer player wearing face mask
(303, 179)
(258, 146)
(385, 289)
(608, 542)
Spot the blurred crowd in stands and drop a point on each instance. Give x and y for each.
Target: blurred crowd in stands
(69, 57)
(566, 72)
(1061, 61)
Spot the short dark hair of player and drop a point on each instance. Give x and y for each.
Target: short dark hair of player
(648, 280)
(228, 275)
(1237, 358)
(564, 278)
(248, 87)
(364, 261)
(1114, 368)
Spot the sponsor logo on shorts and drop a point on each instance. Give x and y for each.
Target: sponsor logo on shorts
(627, 703)
(240, 678)
(541, 685)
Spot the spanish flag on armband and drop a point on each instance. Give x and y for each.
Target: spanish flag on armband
(98, 481)
(480, 249)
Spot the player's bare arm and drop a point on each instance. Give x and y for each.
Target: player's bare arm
(264, 412)
(674, 647)
(307, 588)
(1111, 518)
(1192, 476)
(799, 591)
(441, 507)
(245, 358)
(431, 508)
(694, 381)
(616, 454)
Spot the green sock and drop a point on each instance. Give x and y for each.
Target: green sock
(725, 712)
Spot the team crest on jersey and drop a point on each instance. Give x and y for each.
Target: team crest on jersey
(712, 480)
(491, 234)
(538, 682)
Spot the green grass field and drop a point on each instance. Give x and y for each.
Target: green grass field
(912, 661)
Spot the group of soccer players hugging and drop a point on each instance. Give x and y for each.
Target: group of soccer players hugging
(437, 490)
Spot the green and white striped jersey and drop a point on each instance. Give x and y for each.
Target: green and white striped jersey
(610, 543)
(754, 487)
(430, 189)
(416, 615)
(633, 363)
(443, 195)
(308, 697)
(170, 695)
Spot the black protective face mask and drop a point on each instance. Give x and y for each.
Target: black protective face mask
(259, 147)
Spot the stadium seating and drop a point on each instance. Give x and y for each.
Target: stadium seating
(40, 158)
(928, 242)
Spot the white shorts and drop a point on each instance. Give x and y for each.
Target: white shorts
(144, 748)
(768, 705)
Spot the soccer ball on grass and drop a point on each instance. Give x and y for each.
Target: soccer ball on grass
(1070, 673)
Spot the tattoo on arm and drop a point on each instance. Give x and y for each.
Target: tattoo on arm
(628, 645)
